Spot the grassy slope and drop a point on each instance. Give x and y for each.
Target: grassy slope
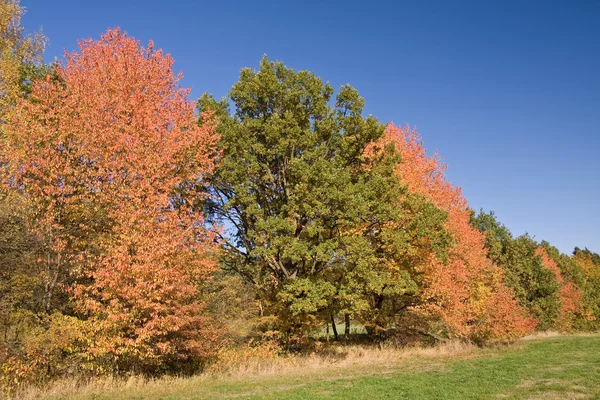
(545, 368)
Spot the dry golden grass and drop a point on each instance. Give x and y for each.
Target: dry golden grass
(337, 356)
(551, 366)
(256, 365)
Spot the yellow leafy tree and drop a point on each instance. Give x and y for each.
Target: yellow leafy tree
(17, 50)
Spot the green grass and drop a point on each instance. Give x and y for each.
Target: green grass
(545, 368)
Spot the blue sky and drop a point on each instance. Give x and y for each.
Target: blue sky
(507, 91)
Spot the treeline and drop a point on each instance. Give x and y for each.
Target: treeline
(143, 233)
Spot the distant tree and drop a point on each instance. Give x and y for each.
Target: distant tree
(547, 283)
(497, 236)
(589, 263)
(317, 226)
(107, 152)
(534, 284)
(570, 293)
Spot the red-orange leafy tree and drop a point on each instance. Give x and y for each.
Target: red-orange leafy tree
(110, 152)
(464, 296)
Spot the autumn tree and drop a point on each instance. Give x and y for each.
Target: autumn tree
(570, 280)
(589, 263)
(107, 152)
(465, 295)
(534, 285)
(544, 281)
(310, 214)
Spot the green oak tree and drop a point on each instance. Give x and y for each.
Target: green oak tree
(315, 218)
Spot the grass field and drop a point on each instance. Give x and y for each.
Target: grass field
(559, 367)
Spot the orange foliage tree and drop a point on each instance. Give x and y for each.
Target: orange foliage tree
(464, 296)
(110, 152)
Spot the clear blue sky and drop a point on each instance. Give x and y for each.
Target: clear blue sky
(507, 91)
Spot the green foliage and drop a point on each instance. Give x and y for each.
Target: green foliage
(591, 302)
(302, 304)
(498, 236)
(316, 225)
(568, 266)
(535, 286)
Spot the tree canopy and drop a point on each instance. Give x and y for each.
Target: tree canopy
(317, 225)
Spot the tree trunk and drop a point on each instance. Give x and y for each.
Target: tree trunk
(335, 333)
(347, 327)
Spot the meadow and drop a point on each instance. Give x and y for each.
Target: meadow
(538, 367)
